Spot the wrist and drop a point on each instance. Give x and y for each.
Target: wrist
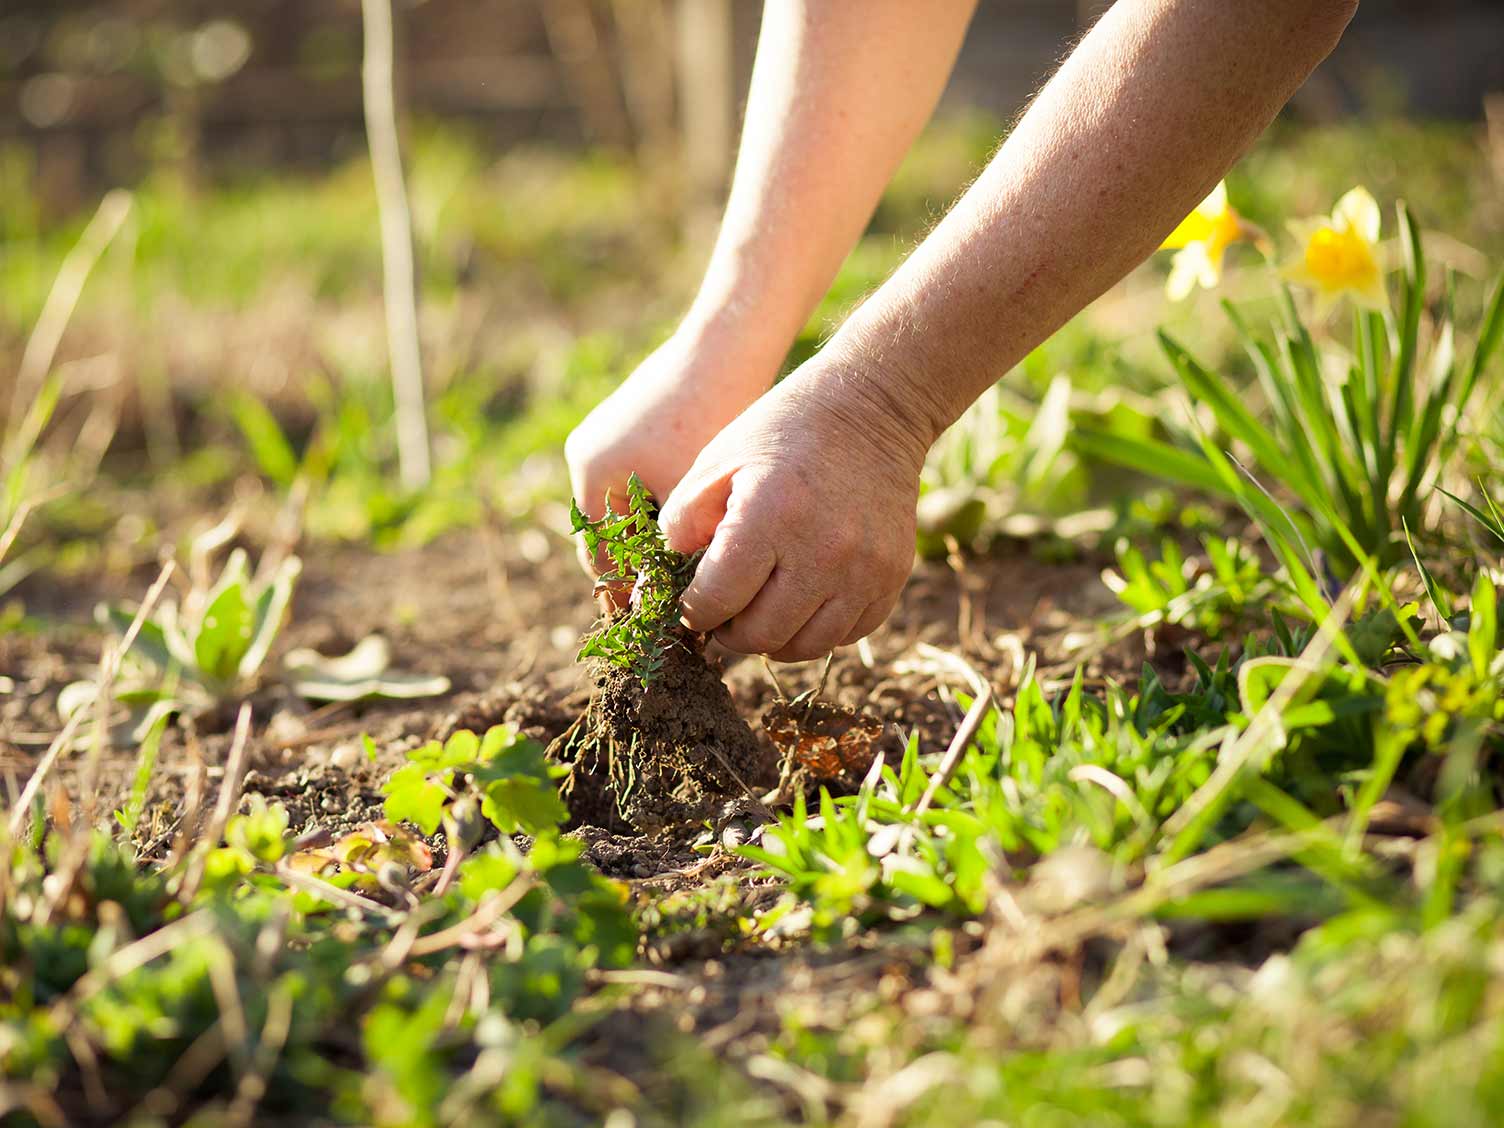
(888, 373)
(740, 309)
(728, 351)
(867, 394)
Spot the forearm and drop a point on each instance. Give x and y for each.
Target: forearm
(1151, 109)
(839, 91)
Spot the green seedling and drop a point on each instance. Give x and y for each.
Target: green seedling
(504, 770)
(463, 997)
(207, 648)
(1172, 590)
(638, 638)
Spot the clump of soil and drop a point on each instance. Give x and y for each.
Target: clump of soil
(666, 756)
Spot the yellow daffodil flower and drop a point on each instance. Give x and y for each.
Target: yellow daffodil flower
(1200, 242)
(1339, 254)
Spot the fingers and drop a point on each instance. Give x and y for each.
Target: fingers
(785, 603)
(729, 576)
(694, 512)
(738, 560)
(826, 630)
(873, 617)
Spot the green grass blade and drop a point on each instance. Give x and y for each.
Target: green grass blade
(1231, 413)
(1437, 594)
(1402, 379)
(1149, 456)
(269, 445)
(1489, 334)
(1493, 521)
(146, 761)
(1389, 750)
(1300, 357)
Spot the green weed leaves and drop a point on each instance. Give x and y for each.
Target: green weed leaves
(201, 649)
(384, 1007)
(507, 772)
(637, 638)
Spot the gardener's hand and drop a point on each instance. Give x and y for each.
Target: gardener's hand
(657, 421)
(805, 507)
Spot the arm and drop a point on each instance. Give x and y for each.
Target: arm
(839, 90)
(806, 502)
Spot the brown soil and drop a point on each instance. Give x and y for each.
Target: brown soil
(502, 616)
(662, 756)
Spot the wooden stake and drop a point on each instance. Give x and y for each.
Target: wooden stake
(399, 273)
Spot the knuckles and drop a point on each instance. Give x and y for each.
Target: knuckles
(749, 640)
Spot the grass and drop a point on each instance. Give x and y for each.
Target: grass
(1260, 882)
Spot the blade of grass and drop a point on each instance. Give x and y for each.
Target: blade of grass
(1438, 596)
(1152, 457)
(1234, 417)
(62, 299)
(1188, 826)
(1493, 521)
(1402, 380)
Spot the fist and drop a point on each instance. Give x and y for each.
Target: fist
(805, 508)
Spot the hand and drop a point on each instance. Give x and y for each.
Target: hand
(657, 421)
(805, 508)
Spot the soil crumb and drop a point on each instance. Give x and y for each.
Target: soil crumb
(649, 760)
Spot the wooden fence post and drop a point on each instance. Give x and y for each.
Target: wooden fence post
(400, 286)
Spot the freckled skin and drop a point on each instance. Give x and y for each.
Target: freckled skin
(803, 495)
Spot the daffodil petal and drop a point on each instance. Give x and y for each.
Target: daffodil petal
(1359, 211)
(1372, 295)
(1185, 270)
(1296, 271)
(1210, 269)
(1190, 230)
(1301, 230)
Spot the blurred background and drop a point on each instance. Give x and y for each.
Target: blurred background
(564, 164)
(104, 93)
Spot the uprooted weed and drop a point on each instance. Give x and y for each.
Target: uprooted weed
(661, 743)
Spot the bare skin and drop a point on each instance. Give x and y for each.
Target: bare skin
(803, 495)
(839, 93)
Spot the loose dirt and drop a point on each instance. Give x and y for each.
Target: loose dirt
(662, 756)
(501, 615)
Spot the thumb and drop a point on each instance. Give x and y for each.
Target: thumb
(694, 510)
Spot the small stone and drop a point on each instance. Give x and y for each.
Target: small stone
(285, 727)
(346, 756)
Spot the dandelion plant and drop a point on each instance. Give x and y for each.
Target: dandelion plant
(638, 637)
